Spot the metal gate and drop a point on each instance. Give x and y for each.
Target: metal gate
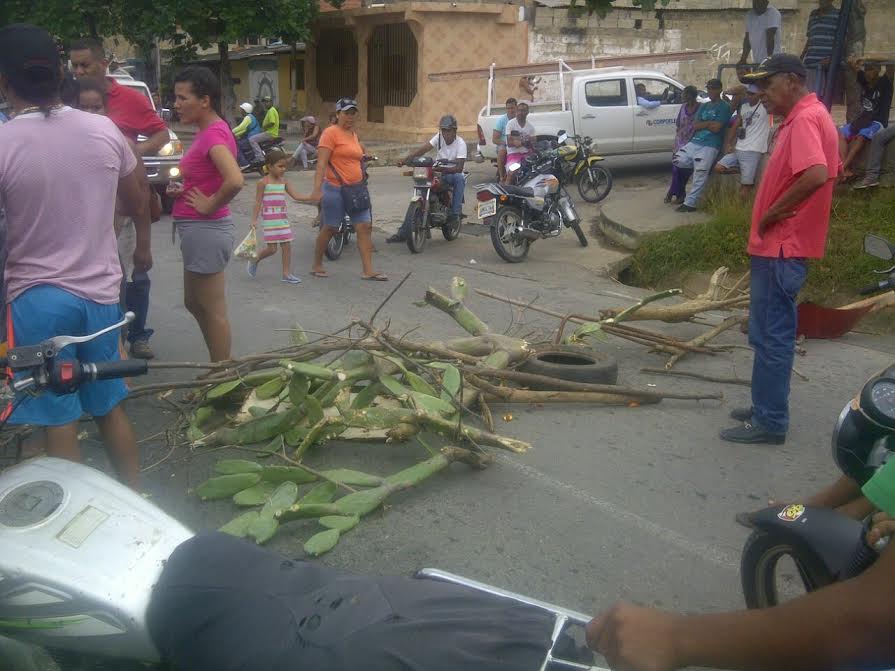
(392, 64)
(336, 64)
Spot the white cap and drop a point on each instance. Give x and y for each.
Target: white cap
(246, 107)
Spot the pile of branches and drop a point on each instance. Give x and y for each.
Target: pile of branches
(282, 405)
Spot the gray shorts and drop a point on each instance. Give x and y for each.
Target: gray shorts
(747, 161)
(206, 245)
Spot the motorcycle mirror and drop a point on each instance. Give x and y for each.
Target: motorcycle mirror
(562, 137)
(879, 247)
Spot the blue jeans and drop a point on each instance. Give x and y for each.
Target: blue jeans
(775, 284)
(699, 159)
(136, 300)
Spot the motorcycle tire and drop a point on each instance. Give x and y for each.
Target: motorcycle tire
(508, 246)
(417, 231)
(594, 183)
(581, 237)
(572, 363)
(335, 246)
(758, 569)
(451, 231)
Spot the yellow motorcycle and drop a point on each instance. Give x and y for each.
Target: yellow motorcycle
(583, 167)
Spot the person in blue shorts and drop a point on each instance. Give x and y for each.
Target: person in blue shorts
(876, 98)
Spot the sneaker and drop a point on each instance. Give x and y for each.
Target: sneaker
(140, 349)
(868, 183)
(291, 279)
(252, 268)
(741, 414)
(395, 238)
(685, 208)
(750, 434)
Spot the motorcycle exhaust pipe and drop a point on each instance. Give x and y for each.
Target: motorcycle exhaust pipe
(530, 234)
(568, 210)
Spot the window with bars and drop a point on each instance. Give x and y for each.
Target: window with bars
(392, 59)
(336, 64)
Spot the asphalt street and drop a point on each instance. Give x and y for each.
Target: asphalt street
(612, 503)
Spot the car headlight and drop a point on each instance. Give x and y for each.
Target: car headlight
(174, 172)
(173, 148)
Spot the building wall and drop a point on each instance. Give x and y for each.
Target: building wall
(715, 25)
(239, 69)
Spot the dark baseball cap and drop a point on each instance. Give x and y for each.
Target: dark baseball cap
(346, 104)
(28, 52)
(775, 65)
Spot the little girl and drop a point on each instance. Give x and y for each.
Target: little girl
(270, 204)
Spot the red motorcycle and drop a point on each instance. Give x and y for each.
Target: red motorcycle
(430, 204)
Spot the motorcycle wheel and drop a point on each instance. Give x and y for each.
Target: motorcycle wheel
(509, 246)
(451, 231)
(594, 184)
(417, 233)
(760, 572)
(335, 245)
(581, 238)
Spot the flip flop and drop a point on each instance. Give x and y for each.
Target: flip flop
(319, 274)
(378, 277)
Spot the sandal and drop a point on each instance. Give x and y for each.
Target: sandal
(378, 277)
(319, 274)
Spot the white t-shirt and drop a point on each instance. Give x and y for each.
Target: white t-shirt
(758, 128)
(448, 152)
(527, 132)
(757, 26)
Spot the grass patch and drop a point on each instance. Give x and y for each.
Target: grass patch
(665, 259)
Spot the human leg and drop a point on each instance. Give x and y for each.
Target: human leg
(364, 232)
(728, 163)
(457, 182)
(121, 445)
(205, 298)
(256, 141)
(854, 148)
(877, 149)
(703, 159)
(286, 253)
(502, 162)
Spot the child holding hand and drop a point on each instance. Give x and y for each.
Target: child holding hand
(270, 206)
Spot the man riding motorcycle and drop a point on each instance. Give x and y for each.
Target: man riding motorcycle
(449, 147)
(245, 129)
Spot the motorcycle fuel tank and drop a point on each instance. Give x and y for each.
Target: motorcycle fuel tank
(80, 554)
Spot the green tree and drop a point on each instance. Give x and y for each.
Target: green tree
(65, 19)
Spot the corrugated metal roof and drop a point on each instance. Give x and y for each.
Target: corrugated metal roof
(252, 52)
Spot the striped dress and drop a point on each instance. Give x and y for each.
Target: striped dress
(274, 222)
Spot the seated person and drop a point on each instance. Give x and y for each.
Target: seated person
(520, 136)
(449, 147)
(645, 100)
(247, 127)
(747, 141)
(876, 98)
(499, 137)
(307, 148)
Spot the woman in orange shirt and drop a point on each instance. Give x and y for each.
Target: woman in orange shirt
(340, 158)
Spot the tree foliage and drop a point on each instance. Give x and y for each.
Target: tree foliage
(65, 19)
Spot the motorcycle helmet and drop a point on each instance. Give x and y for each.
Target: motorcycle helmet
(447, 122)
(247, 107)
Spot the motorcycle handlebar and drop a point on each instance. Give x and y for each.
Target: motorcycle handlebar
(108, 370)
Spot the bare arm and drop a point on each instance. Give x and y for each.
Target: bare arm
(771, 37)
(154, 144)
(259, 198)
(747, 47)
(296, 196)
(730, 137)
(808, 182)
(496, 137)
(714, 126)
(323, 154)
(233, 182)
(423, 149)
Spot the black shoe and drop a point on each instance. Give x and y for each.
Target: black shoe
(667, 198)
(396, 238)
(685, 208)
(741, 414)
(749, 434)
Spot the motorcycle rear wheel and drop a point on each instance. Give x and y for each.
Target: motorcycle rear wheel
(581, 237)
(417, 232)
(508, 245)
(336, 244)
(594, 183)
(759, 570)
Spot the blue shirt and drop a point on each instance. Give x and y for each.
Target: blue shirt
(501, 127)
(821, 35)
(719, 111)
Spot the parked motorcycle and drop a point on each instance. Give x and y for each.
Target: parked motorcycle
(824, 545)
(430, 203)
(346, 229)
(256, 164)
(537, 208)
(594, 181)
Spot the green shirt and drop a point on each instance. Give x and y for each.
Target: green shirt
(880, 489)
(719, 111)
(271, 122)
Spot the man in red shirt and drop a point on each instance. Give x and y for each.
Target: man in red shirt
(790, 220)
(132, 112)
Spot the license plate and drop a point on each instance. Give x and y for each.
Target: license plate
(487, 208)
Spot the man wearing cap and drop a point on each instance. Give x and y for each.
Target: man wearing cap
(245, 129)
(63, 274)
(700, 152)
(448, 147)
(790, 219)
(747, 141)
(270, 127)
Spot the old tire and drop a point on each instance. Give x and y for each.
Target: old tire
(574, 364)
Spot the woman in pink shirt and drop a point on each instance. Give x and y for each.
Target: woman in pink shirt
(211, 179)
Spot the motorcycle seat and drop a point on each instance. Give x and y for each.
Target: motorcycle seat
(267, 144)
(524, 191)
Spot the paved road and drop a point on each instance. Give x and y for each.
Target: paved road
(633, 503)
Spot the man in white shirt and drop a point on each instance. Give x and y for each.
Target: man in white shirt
(520, 136)
(750, 129)
(764, 28)
(448, 147)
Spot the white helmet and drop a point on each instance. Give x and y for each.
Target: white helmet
(247, 107)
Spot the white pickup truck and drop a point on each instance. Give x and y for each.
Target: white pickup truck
(602, 104)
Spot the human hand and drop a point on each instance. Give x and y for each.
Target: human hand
(715, 126)
(315, 197)
(174, 189)
(142, 260)
(883, 526)
(200, 202)
(771, 217)
(635, 639)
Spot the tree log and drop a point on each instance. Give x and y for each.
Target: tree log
(461, 314)
(700, 340)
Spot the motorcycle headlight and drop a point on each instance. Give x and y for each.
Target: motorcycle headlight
(854, 440)
(421, 173)
(173, 148)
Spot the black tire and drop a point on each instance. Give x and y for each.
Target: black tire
(758, 569)
(508, 246)
(572, 363)
(450, 229)
(335, 245)
(416, 232)
(594, 183)
(581, 237)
